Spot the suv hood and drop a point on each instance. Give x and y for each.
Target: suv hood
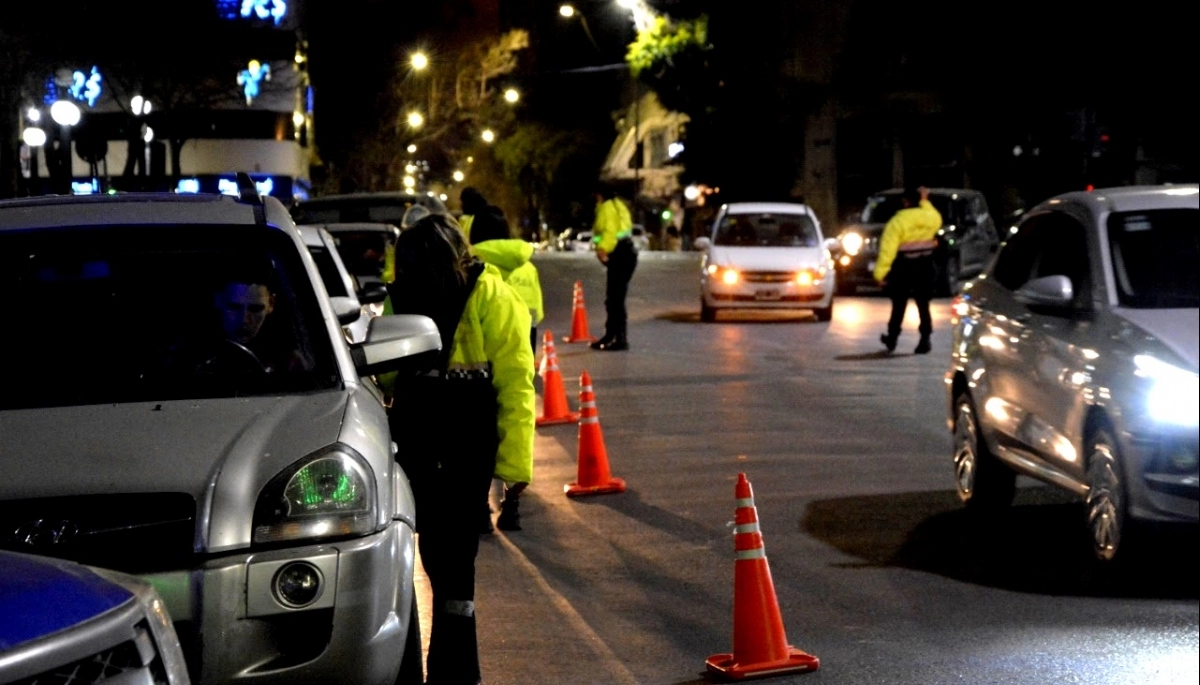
(220, 451)
(766, 258)
(1176, 329)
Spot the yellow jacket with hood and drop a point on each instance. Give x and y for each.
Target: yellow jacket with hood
(492, 337)
(612, 223)
(511, 257)
(911, 229)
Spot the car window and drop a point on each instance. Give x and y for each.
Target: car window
(331, 277)
(1046, 245)
(1155, 256)
(1015, 261)
(130, 314)
(363, 252)
(767, 229)
(881, 208)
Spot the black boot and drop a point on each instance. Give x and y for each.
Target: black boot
(923, 346)
(453, 651)
(617, 344)
(602, 343)
(510, 516)
(889, 341)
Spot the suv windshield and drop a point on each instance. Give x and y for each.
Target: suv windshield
(773, 230)
(881, 208)
(130, 314)
(367, 207)
(1154, 257)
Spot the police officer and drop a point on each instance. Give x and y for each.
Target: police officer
(468, 418)
(612, 234)
(905, 265)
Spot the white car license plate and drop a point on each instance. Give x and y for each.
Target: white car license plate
(766, 294)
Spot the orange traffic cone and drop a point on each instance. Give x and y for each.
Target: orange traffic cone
(760, 647)
(594, 477)
(579, 322)
(554, 395)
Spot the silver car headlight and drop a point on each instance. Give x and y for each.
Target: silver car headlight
(330, 493)
(1174, 395)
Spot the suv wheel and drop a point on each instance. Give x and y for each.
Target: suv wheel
(1107, 512)
(982, 481)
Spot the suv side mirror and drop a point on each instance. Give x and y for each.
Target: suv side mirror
(372, 292)
(702, 243)
(395, 342)
(1052, 292)
(347, 309)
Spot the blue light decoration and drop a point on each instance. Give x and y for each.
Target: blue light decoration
(86, 87)
(229, 186)
(251, 78)
(85, 187)
(51, 95)
(188, 185)
(266, 10)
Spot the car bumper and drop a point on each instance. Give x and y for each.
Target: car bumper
(234, 628)
(775, 295)
(1168, 486)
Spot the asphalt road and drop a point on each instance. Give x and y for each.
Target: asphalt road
(876, 569)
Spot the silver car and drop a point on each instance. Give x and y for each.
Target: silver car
(1074, 361)
(354, 316)
(249, 476)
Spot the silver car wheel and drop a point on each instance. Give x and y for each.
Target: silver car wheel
(966, 456)
(1105, 498)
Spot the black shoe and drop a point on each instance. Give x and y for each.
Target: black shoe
(888, 341)
(923, 346)
(602, 343)
(510, 517)
(614, 346)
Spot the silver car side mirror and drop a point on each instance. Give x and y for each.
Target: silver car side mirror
(1047, 291)
(397, 341)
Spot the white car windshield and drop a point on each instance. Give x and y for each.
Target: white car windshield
(1155, 256)
(767, 229)
(146, 313)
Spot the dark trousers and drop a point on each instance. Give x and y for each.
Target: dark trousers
(622, 262)
(910, 277)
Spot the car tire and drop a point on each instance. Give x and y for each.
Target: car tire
(1108, 522)
(983, 483)
(824, 313)
(412, 671)
(707, 314)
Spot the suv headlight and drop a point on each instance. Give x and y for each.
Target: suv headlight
(852, 243)
(1174, 395)
(330, 493)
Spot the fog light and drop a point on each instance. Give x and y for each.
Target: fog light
(298, 584)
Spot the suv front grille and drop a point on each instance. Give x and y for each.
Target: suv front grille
(133, 533)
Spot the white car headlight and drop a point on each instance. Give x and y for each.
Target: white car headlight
(1174, 395)
(327, 494)
(852, 243)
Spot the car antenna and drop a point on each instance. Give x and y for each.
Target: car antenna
(248, 193)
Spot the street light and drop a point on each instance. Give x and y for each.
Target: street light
(488, 135)
(415, 120)
(412, 147)
(567, 11)
(511, 95)
(459, 176)
(65, 113)
(419, 61)
(34, 136)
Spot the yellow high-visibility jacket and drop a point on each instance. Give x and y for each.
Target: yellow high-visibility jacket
(613, 222)
(464, 225)
(512, 257)
(492, 338)
(915, 228)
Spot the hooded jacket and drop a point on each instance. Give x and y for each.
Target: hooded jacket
(910, 230)
(511, 257)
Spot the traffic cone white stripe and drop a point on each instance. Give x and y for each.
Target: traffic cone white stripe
(590, 419)
(587, 405)
(746, 528)
(745, 502)
(758, 553)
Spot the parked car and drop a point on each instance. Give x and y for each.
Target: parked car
(263, 501)
(1075, 361)
(338, 283)
(765, 255)
(365, 250)
(378, 207)
(64, 622)
(966, 242)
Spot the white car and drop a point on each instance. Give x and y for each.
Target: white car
(254, 484)
(339, 284)
(765, 255)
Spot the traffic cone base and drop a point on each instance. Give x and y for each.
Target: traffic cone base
(577, 490)
(569, 417)
(727, 667)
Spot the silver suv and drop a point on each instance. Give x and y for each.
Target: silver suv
(223, 442)
(1074, 361)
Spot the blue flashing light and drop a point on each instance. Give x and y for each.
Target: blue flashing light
(274, 10)
(227, 186)
(85, 187)
(188, 185)
(86, 87)
(308, 99)
(265, 187)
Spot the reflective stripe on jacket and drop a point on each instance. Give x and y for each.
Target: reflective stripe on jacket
(512, 257)
(492, 338)
(912, 229)
(613, 222)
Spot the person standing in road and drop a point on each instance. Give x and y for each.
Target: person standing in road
(612, 234)
(467, 419)
(492, 241)
(473, 202)
(905, 265)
